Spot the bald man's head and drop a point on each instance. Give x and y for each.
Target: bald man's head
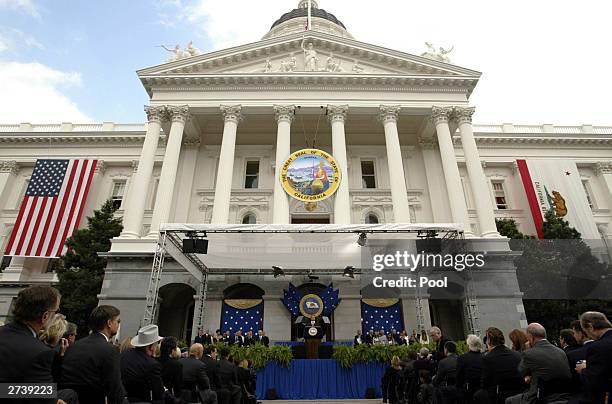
(196, 351)
(535, 332)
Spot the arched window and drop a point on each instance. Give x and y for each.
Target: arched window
(371, 218)
(249, 218)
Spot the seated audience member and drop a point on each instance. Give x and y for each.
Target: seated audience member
(91, 365)
(71, 333)
(171, 368)
(500, 376)
(228, 377)
(30, 359)
(391, 381)
(446, 375)
(140, 372)
(575, 356)
(426, 389)
(567, 342)
(596, 372)
(545, 368)
(436, 335)
(195, 379)
(247, 381)
(358, 340)
(469, 369)
(519, 340)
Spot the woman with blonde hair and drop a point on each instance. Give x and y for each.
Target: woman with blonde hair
(391, 381)
(54, 332)
(519, 340)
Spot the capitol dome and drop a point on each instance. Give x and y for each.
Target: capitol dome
(296, 21)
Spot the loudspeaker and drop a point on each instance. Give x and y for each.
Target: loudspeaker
(429, 245)
(271, 394)
(195, 246)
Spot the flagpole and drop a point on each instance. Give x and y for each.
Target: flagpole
(309, 15)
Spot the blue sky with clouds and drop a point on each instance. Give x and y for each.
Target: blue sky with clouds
(542, 62)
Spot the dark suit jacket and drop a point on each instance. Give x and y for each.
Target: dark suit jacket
(172, 375)
(91, 368)
(447, 371)
(141, 375)
(469, 371)
(211, 371)
(544, 362)
(597, 376)
(574, 356)
(226, 372)
(204, 339)
(194, 374)
(438, 354)
(265, 341)
(355, 342)
(500, 369)
(24, 358)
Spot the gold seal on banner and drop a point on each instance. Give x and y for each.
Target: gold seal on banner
(311, 306)
(310, 175)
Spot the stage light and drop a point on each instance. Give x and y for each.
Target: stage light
(349, 272)
(362, 240)
(195, 244)
(278, 271)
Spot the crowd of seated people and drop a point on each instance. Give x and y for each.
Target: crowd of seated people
(577, 369)
(204, 337)
(392, 338)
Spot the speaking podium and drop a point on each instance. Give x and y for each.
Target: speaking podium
(312, 340)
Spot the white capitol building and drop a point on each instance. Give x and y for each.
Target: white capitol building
(221, 124)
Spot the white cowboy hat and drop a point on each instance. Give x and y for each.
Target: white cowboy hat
(147, 335)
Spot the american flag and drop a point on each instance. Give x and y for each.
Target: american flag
(51, 208)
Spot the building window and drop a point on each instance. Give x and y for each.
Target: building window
(499, 194)
(589, 193)
(371, 218)
(249, 218)
(118, 193)
(251, 179)
(368, 177)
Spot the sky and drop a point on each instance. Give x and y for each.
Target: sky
(544, 61)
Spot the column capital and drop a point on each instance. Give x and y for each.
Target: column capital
(9, 166)
(232, 113)
(100, 167)
(603, 167)
(178, 113)
(463, 115)
(428, 143)
(337, 113)
(388, 113)
(155, 113)
(440, 114)
(284, 113)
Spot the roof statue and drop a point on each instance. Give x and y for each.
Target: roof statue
(178, 53)
(439, 54)
(311, 61)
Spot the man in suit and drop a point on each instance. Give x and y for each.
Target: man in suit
(544, 366)
(369, 338)
(500, 377)
(26, 359)
(263, 338)
(574, 356)
(239, 338)
(195, 378)
(440, 340)
(596, 372)
(140, 372)
(248, 338)
(210, 360)
(228, 376)
(91, 365)
(446, 375)
(358, 340)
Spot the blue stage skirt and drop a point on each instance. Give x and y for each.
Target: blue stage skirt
(314, 379)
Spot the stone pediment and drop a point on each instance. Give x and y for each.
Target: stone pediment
(306, 55)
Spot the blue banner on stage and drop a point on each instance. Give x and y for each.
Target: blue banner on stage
(381, 318)
(233, 319)
(319, 379)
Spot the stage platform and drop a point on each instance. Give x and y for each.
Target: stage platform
(319, 379)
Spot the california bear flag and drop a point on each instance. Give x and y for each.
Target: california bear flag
(556, 185)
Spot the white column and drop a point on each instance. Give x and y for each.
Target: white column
(8, 173)
(342, 202)
(604, 169)
(478, 180)
(284, 117)
(167, 177)
(223, 188)
(135, 204)
(456, 198)
(399, 194)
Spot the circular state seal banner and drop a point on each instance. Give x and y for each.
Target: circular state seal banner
(310, 175)
(311, 306)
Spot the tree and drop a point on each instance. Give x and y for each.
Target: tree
(81, 269)
(555, 274)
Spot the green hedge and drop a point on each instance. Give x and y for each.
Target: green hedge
(260, 355)
(347, 356)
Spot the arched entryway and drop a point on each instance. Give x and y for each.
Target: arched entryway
(176, 306)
